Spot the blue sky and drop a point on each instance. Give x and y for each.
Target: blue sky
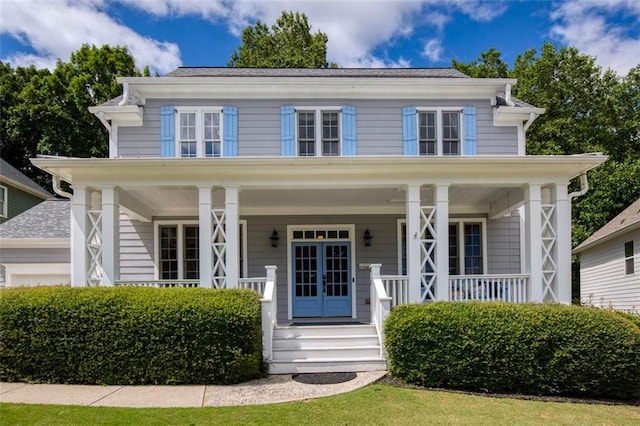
(164, 34)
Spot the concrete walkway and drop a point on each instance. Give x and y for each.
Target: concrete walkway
(273, 389)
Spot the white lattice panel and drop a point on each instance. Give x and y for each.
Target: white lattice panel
(94, 247)
(219, 248)
(549, 265)
(428, 241)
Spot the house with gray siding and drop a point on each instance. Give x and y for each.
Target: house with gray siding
(335, 193)
(17, 192)
(610, 263)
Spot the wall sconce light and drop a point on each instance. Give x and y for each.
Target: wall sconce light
(367, 237)
(274, 238)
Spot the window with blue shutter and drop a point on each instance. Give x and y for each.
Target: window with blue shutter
(167, 131)
(409, 131)
(349, 143)
(230, 131)
(470, 142)
(287, 131)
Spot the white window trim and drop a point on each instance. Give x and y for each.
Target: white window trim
(199, 111)
(180, 224)
(459, 221)
(439, 142)
(245, 265)
(5, 201)
(318, 130)
(627, 258)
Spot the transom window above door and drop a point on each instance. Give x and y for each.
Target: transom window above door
(318, 132)
(199, 132)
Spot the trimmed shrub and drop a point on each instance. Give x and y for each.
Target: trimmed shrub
(130, 335)
(537, 349)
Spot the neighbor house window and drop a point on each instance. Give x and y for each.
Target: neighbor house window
(439, 132)
(629, 267)
(199, 132)
(467, 244)
(318, 132)
(4, 195)
(179, 250)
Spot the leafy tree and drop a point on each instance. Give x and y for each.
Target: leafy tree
(287, 44)
(488, 65)
(47, 112)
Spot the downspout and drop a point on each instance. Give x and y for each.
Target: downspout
(584, 187)
(125, 95)
(507, 95)
(58, 190)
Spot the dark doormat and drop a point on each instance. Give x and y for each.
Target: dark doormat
(323, 378)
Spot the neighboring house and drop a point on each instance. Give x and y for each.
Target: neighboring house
(610, 263)
(34, 246)
(363, 188)
(17, 192)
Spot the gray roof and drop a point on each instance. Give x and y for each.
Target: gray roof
(317, 72)
(500, 98)
(14, 175)
(49, 219)
(629, 218)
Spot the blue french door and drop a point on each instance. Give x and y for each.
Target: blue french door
(321, 279)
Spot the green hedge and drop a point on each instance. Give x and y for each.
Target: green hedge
(536, 349)
(130, 335)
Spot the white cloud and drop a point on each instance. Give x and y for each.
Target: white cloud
(589, 26)
(55, 29)
(433, 50)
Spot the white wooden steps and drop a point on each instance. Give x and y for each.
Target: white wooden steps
(326, 348)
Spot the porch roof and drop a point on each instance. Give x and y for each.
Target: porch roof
(319, 172)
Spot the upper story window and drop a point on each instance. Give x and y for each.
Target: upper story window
(199, 132)
(4, 195)
(439, 132)
(629, 267)
(318, 132)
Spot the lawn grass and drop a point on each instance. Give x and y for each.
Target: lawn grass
(375, 404)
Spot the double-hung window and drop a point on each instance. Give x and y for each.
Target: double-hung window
(199, 132)
(439, 131)
(4, 195)
(629, 267)
(318, 132)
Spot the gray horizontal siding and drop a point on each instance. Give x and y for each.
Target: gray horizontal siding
(503, 245)
(35, 255)
(136, 250)
(379, 126)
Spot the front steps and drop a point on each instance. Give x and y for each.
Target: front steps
(326, 348)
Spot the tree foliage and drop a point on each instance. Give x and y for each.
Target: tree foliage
(488, 65)
(287, 44)
(47, 112)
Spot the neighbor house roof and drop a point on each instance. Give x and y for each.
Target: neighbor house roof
(626, 221)
(317, 72)
(47, 220)
(13, 176)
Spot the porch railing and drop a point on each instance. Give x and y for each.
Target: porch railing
(158, 283)
(505, 288)
(255, 284)
(380, 304)
(397, 287)
(269, 303)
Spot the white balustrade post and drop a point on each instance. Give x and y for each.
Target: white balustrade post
(233, 235)
(413, 243)
(441, 201)
(205, 200)
(110, 235)
(562, 226)
(269, 305)
(533, 235)
(79, 226)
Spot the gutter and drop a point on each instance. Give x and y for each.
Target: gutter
(58, 190)
(584, 187)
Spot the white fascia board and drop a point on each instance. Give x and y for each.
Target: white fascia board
(24, 188)
(295, 172)
(126, 115)
(6, 243)
(315, 87)
(513, 116)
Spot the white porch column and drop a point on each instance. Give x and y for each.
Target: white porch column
(533, 235)
(110, 235)
(79, 225)
(562, 226)
(413, 243)
(441, 202)
(232, 227)
(205, 200)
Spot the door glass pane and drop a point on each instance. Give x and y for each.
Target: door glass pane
(306, 271)
(472, 248)
(337, 270)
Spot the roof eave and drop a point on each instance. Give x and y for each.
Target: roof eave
(583, 247)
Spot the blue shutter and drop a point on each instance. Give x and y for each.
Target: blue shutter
(167, 131)
(287, 131)
(409, 131)
(230, 131)
(470, 141)
(349, 144)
